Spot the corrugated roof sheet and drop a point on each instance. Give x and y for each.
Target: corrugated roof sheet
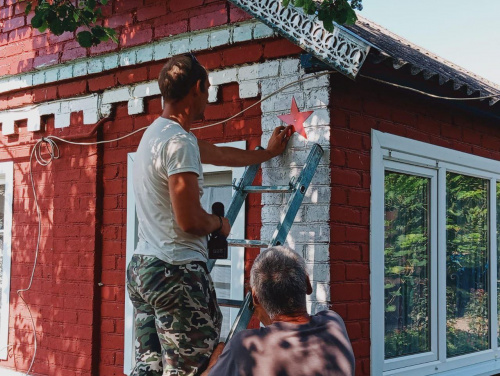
(403, 52)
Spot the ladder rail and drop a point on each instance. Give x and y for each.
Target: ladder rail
(246, 311)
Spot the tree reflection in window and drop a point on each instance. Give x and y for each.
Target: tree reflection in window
(407, 269)
(466, 264)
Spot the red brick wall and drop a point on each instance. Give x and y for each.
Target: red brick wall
(356, 109)
(135, 21)
(78, 292)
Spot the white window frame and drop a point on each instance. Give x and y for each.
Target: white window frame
(237, 253)
(7, 178)
(394, 153)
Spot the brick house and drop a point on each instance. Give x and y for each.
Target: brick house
(398, 226)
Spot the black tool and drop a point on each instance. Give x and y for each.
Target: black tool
(217, 243)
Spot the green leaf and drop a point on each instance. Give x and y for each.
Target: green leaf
(37, 21)
(56, 26)
(285, 2)
(28, 8)
(84, 38)
(98, 31)
(91, 4)
(44, 27)
(104, 2)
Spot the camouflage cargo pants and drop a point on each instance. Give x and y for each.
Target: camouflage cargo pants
(177, 322)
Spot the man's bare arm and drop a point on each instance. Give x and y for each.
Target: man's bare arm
(233, 157)
(185, 197)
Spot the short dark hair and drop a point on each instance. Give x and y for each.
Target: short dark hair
(179, 75)
(279, 279)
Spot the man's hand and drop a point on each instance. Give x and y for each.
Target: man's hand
(226, 227)
(279, 140)
(213, 359)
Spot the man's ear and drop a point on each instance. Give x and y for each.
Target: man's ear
(309, 286)
(255, 300)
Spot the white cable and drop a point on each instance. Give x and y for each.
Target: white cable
(428, 94)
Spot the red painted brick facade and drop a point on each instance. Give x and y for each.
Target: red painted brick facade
(78, 293)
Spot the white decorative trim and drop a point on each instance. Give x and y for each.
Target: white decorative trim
(340, 49)
(158, 50)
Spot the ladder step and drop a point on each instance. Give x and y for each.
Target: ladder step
(268, 189)
(247, 243)
(230, 303)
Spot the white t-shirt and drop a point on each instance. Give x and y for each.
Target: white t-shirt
(165, 149)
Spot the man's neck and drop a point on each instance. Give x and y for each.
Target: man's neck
(179, 115)
(295, 318)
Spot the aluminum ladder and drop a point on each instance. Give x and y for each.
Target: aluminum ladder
(297, 188)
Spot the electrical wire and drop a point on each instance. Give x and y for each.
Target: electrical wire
(428, 94)
(53, 152)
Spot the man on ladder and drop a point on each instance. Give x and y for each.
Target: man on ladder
(178, 320)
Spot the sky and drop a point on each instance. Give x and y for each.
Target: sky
(465, 32)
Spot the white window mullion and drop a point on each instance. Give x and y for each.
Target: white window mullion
(441, 259)
(434, 254)
(493, 322)
(377, 258)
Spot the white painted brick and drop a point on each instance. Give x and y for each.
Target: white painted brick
(213, 92)
(8, 126)
(262, 31)
(135, 106)
(269, 121)
(322, 176)
(116, 95)
(242, 33)
(290, 66)
(66, 72)
(111, 62)
(314, 307)
(26, 80)
(291, 157)
(264, 70)
(39, 78)
(128, 58)
(269, 86)
(273, 199)
(321, 290)
(320, 116)
(318, 272)
(144, 54)
(33, 121)
(62, 120)
(49, 108)
(278, 176)
(95, 66)
(219, 38)
(319, 97)
(316, 252)
(317, 194)
(222, 77)
(51, 75)
(304, 233)
(315, 82)
(317, 213)
(162, 50)
(180, 46)
(80, 69)
(318, 134)
(292, 82)
(146, 90)
(83, 103)
(275, 214)
(249, 89)
(283, 102)
(90, 116)
(199, 42)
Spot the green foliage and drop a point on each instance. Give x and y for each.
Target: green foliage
(60, 16)
(329, 11)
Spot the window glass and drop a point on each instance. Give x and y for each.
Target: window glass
(406, 271)
(467, 298)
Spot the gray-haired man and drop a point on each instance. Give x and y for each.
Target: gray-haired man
(293, 343)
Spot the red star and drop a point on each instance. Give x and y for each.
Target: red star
(296, 118)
